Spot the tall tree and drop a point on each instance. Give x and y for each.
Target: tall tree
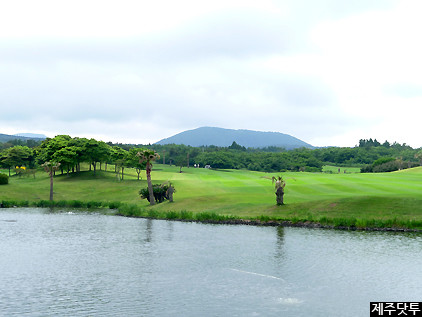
(50, 167)
(78, 146)
(119, 157)
(96, 151)
(148, 156)
(67, 157)
(17, 156)
(181, 160)
(50, 146)
(133, 160)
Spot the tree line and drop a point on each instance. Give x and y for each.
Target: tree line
(70, 153)
(29, 143)
(370, 155)
(277, 159)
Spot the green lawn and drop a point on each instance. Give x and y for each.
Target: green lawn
(360, 199)
(335, 169)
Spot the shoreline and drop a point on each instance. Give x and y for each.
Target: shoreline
(205, 217)
(284, 223)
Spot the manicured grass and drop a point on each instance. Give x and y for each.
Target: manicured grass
(335, 169)
(360, 200)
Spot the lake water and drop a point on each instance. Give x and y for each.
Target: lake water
(77, 264)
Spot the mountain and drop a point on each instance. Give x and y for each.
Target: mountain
(225, 137)
(31, 135)
(8, 137)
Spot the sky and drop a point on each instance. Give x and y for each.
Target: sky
(328, 72)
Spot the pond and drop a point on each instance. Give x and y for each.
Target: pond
(72, 263)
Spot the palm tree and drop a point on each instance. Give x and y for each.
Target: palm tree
(147, 156)
(279, 189)
(50, 167)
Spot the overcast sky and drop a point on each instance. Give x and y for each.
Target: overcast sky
(326, 71)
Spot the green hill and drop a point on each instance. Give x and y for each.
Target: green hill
(361, 200)
(224, 137)
(23, 137)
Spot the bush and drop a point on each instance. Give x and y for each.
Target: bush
(114, 204)
(187, 215)
(130, 210)
(159, 190)
(60, 203)
(312, 169)
(366, 169)
(383, 160)
(76, 204)
(172, 215)
(93, 204)
(390, 166)
(45, 203)
(8, 203)
(4, 179)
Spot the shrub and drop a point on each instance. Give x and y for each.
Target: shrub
(390, 166)
(130, 210)
(187, 215)
(4, 179)
(366, 169)
(159, 190)
(61, 203)
(45, 203)
(152, 213)
(8, 203)
(76, 204)
(383, 160)
(263, 218)
(171, 215)
(212, 216)
(114, 204)
(93, 204)
(313, 169)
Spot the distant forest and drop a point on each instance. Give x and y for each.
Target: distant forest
(370, 155)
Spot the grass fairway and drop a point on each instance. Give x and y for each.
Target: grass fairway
(361, 200)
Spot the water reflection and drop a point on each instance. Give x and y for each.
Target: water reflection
(148, 230)
(170, 230)
(279, 254)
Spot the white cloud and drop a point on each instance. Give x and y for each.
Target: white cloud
(106, 18)
(139, 71)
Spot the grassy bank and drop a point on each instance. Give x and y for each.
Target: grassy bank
(356, 200)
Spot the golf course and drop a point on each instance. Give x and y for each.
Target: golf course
(348, 200)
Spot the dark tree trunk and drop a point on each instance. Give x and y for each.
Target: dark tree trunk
(280, 196)
(150, 190)
(51, 186)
